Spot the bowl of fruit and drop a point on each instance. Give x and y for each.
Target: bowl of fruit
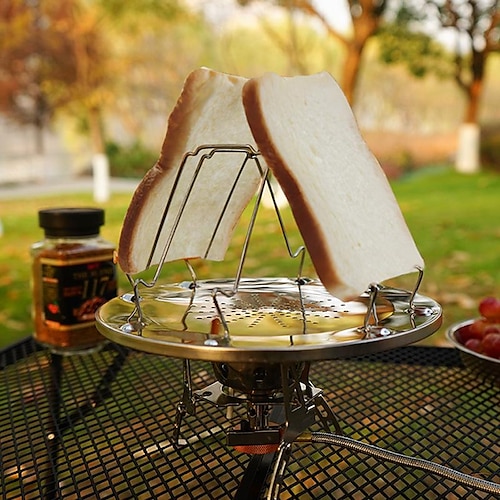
(478, 339)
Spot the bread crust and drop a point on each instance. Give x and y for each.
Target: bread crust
(208, 111)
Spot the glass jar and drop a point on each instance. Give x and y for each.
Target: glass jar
(73, 274)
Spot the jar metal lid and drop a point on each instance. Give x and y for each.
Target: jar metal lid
(71, 221)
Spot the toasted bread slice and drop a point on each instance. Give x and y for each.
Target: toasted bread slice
(342, 202)
(208, 111)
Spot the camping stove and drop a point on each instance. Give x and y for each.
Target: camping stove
(261, 335)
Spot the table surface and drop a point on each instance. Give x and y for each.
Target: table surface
(98, 426)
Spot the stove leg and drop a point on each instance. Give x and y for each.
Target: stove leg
(327, 416)
(311, 405)
(296, 421)
(179, 417)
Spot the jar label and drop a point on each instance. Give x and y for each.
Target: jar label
(72, 293)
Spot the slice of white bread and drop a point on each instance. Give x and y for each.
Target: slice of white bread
(208, 111)
(341, 200)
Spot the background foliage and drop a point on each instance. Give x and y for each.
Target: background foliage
(116, 68)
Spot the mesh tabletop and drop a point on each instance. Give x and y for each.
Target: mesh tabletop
(98, 426)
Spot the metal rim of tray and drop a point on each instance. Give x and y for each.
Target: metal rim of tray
(407, 324)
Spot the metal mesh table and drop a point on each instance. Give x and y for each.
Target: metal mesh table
(98, 426)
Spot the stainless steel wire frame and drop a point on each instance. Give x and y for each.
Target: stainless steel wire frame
(204, 153)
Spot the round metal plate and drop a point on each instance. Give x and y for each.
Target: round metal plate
(265, 320)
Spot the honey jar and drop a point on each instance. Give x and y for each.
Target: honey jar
(73, 274)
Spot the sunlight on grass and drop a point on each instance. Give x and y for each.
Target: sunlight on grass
(453, 218)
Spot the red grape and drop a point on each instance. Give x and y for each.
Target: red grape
(492, 328)
(483, 334)
(490, 345)
(473, 345)
(478, 328)
(489, 308)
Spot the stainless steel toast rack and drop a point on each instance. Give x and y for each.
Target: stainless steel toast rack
(264, 319)
(261, 334)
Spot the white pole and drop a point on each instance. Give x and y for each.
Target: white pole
(467, 160)
(100, 170)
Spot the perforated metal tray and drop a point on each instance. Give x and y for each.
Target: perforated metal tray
(265, 320)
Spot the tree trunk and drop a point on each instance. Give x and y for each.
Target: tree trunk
(366, 16)
(469, 135)
(39, 139)
(467, 160)
(95, 128)
(100, 163)
(39, 122)
(351, 71)
(473, 101)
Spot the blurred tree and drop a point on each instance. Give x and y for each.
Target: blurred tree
(402, 41)
(255, 48)
(39, 59)
(366, 18)
(153, 55)
(61, 56)
(476, 25)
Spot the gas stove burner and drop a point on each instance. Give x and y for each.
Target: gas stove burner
(256, 380)
(261, 336)
(279, 400)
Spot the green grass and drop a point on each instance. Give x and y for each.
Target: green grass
(454, 219)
